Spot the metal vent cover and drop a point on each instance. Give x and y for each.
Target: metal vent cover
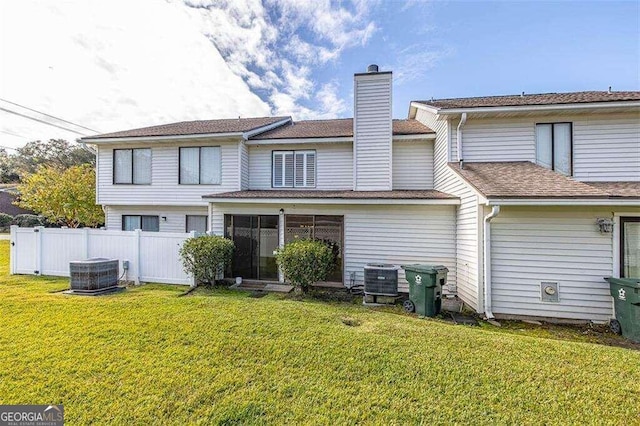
(549, 292)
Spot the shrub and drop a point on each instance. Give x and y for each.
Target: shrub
(5, 220)
(305, 262)
(27, 220)
(206, 256)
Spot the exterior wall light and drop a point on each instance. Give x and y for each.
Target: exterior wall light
(605, 225)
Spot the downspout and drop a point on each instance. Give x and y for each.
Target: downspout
(463, 120)
(495, 211)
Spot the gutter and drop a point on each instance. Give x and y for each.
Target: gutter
(88, 148)
(495, 211)
(463, 120)
(250, 133)
(527, 108)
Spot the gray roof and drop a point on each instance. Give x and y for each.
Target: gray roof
(342, 127)
(228, 125)
(523, 179)
(533, 99)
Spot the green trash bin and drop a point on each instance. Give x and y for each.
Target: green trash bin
(425, 288)
(626, 301)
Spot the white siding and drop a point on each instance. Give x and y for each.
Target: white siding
(606, 147)
(176, 216)
(334, 165)
(372, 132)
(495, 140)
(563, 245)
(468, 216)
(389, 234)
(413, 164)
(244, 166)
(164, 188)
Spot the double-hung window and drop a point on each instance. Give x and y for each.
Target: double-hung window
(145, 223)
(200, 165)
(294, 169)
(132, 166)
(554, 147)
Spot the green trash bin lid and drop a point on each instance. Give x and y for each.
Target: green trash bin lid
(625, 282)
(425, 269)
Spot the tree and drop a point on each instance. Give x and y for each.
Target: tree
(305, 262)
(8, 168)
(66, 197)
(54, 153)
(206, 256)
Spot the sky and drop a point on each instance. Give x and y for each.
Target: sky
(111, 65)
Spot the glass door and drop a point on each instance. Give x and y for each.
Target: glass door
(630, 247)
(255, 239)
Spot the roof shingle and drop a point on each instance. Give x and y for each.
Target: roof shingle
(528, 180)
(534, 99)
(335, 129)
(229, 125)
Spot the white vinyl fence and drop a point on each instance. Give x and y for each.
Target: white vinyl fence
(152, 256)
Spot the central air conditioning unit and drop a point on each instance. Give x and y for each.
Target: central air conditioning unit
(93, 276)
(380, 279)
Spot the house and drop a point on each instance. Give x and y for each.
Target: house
(538, 196)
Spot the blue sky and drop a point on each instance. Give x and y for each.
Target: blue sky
(91, 62)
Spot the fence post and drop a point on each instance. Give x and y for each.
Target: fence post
(86, 242)
(38, 230)
(136, 278)
(192, 234)
(12, 249)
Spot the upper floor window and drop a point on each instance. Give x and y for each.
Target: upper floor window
(294, 169)
(200, 165)
(132, 166)
(554, 147)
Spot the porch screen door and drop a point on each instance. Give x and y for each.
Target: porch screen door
(630, 247)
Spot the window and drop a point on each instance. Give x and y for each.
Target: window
(132, 166)
(196, 223)
(629, 247)
(200, 165)
(554, 147)
(146, 223)
(294, 169)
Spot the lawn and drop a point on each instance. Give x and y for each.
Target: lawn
(148, 356)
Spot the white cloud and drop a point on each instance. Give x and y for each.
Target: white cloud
(111, 66)
(413, 62)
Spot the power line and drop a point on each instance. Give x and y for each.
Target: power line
(13, 134)
(42, 121)
(49, 115)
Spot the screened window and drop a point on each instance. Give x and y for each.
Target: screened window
(132, 166)
(197, 223)
(145, 223)
(554, 147)
(294, 169)
(200, 165)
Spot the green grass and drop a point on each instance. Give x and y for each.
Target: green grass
(147, 356)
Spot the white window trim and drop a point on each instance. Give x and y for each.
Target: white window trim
(219, 171)
(294, 154)
(571, 148)
(113, 166)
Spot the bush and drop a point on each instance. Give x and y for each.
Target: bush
(5, 220)
(206, 256)
(27, 220)
(305, 262)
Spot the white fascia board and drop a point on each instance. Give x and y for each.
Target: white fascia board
(344, 139)
(536, 108)
(419, 105)
(259, 130)
(162, 138)
(298, 141)
(563, 202)
(414, 137)
(322, 201)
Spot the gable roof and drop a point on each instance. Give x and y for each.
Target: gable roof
(533, 99)
(523, 179)
(335, 128)
(198, 127)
